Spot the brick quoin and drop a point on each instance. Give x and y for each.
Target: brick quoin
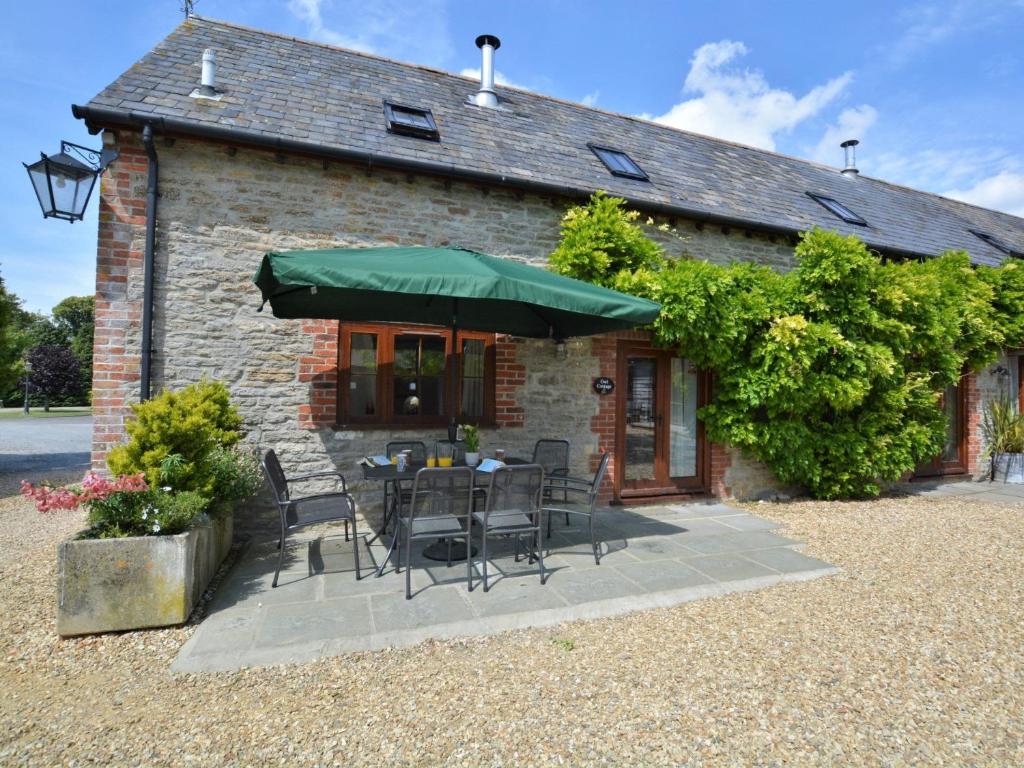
(972, 423)
(509, 379)
(119, 263)
(319, 369)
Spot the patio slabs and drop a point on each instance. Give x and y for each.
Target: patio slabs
(653, 557)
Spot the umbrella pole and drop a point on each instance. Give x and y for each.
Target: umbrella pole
(453, 426)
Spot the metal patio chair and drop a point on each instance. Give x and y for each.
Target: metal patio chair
(582, 495)
(514, 509)
(553, 455)
(402, 488)
(440, 507)
(308, 510)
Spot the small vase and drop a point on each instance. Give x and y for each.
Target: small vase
(472, 458)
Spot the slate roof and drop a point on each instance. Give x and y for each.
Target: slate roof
(282, 88)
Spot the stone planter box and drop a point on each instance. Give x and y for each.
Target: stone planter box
(106, 585)
(1009, 467)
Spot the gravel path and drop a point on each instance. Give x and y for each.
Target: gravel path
(913, 655)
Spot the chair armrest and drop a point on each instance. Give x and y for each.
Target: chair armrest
(324, 473)
(563, 480)
(315, 496)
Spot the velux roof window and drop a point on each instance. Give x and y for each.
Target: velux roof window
(410, 121)
(618, 162)
(838, 209)
(997, 244)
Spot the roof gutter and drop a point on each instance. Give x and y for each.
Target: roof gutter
(97, 118)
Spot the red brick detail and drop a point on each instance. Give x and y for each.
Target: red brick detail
(721, 460)
(509, 378)
(602, 424)
(119, 256)
(972, 422)
(319, 369)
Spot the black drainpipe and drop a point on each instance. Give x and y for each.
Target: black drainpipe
(147, 270)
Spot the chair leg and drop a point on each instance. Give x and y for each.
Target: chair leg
(593, 541)
(449, 552)
(483, 548)
(469, 560)
(540, 555)
(355, 547)
(549, 524)
(408, 571)
(280, 558)
(346, 530)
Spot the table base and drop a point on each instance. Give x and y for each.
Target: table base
(439, 551)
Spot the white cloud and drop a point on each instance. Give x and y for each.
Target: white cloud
(499, 78)
(852, 124)
(1002, 192)
(417, 31)
(590, 100)
(930, 24)
(740, 105)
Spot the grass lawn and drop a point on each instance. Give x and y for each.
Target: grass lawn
(38, 413)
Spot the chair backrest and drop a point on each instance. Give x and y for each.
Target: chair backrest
(442, 491)
(419, 450)
(518, 487)
(275, 475)
(553, 455)
(458, 450)
(602, 467)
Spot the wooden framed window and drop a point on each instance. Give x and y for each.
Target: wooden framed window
(398, 376)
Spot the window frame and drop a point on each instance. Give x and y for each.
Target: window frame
(838, 209)
(385, 418)
(405, 129)
(598, 149)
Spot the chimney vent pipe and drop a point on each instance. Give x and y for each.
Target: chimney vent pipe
(208, 83)
(486, 97)
(850, 148)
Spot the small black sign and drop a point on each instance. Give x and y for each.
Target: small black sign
(603, 385)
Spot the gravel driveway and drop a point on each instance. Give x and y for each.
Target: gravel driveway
(914, 654)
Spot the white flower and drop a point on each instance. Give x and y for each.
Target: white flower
(144, 513)
(166, 489)
(156, 527)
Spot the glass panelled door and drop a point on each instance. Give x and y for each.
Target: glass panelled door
(660, 440)
(953, 459)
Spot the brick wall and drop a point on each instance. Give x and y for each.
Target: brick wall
(119, 264)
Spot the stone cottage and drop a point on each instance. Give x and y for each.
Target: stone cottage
(234, 142)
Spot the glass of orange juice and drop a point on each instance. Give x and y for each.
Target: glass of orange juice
(431, 461)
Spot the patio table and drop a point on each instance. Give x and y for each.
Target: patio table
(388, 473)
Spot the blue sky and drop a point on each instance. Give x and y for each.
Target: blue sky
(935, 91)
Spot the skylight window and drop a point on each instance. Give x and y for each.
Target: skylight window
(618, 162)
(411, 121)
(997, 244)
(838, 209)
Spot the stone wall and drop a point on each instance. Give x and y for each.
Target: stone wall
(221, 209)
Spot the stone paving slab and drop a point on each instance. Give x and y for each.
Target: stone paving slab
(651, 557)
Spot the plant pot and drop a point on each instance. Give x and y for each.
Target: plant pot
(472, 458)
(105, 585)
(1009, 467)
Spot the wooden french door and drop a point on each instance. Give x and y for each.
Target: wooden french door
(953, 459)
(660, 445)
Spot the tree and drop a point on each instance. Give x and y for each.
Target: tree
(10, 351)
(75, 316)
(55, 372)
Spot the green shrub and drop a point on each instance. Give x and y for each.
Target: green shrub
(1002, 427)
(144, 513)
(237, 474)
(831, 374)
(190, 425)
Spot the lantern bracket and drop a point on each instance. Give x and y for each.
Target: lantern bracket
(97, 159)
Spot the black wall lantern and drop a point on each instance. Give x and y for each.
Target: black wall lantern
(64, 182)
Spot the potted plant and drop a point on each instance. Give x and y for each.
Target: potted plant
(159, 530)
(1003, 430)
(471, 436)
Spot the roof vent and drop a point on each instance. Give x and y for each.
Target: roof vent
(850, 148)
(486, 97)
(208, 82)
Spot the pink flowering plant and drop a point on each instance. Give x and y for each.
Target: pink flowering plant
(123, 506)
